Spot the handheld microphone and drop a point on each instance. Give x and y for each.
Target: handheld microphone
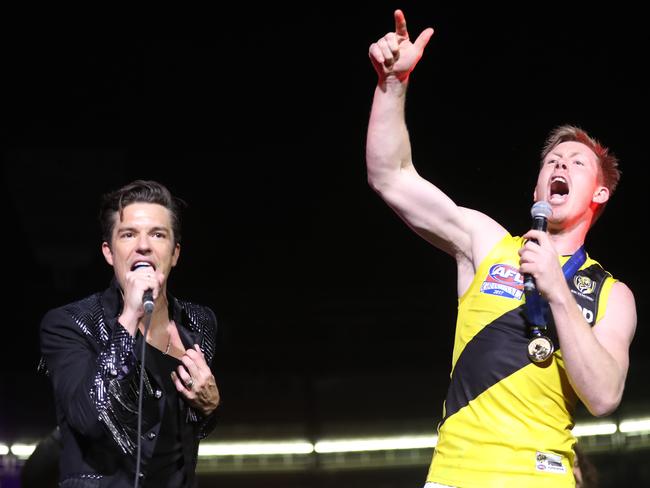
(540, 212)
(147, 301)
(147, 296)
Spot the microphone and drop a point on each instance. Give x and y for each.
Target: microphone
(147, 296)
(540, 212)
(147, 301)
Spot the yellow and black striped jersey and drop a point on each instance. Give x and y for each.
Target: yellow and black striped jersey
(506, 420)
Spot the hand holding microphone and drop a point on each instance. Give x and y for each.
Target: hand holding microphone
(147, 296)
(540, 212)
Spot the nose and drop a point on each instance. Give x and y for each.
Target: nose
(143, 243)
(560, 164)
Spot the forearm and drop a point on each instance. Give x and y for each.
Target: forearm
(388, 149)
(596, 376)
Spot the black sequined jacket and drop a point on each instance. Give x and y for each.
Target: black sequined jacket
(94, 368)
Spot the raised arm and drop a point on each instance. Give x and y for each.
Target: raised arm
(424, 207)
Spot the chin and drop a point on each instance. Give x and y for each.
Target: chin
(557, 202)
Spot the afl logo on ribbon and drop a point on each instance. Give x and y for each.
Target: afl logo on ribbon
(584, 285)
(503, 280)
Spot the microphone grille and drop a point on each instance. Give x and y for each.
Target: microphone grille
(541, 209)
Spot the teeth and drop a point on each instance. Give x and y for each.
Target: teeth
(141, 265)
(558, 178)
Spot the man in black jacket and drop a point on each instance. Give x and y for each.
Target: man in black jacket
(93, 351)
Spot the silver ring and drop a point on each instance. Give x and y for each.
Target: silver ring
(189, 383)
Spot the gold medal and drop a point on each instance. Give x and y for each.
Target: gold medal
(540, 349)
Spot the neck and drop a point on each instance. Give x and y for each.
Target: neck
(158, 334)
(159, 316)
(567, 241)
(159, 319)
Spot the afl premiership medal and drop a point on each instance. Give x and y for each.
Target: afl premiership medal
(540, 347)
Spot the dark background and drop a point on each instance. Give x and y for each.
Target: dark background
(331, 311)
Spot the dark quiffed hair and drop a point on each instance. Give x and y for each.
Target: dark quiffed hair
(139, 191)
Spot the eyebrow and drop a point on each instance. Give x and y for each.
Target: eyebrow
(157, 228)
(573, 154)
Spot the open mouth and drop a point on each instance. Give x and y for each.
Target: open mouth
(142, 264)
(559, 188)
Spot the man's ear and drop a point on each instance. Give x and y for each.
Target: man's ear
(176, 254)
(108, 254)
(601, 195)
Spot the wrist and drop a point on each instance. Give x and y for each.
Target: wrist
(561, 296)
(394, 82)
(129, 321)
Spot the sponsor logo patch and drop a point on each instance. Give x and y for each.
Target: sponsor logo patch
(549, 463)
(505, 281)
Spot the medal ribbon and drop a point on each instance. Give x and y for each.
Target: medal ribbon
(535, 304)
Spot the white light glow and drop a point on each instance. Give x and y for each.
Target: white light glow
(635, 426)
(22, 451)
(254, 448)
(595, 428)
(301, 446)
(376, 444)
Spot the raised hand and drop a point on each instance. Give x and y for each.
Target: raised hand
(395, 54)
(196, 383)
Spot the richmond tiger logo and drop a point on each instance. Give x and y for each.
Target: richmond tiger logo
(585, 285)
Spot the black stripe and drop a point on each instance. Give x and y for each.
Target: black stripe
(590, 301)
(496, 352)
(500, 349)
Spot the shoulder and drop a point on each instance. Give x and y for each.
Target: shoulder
(198, 315)
(615, 291)
(485, 231)
(73, 311)
(620, 317)
(622, 294)
(200, 320)
(194, 307)
(615, 330)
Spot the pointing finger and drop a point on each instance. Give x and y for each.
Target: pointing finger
(400, 24)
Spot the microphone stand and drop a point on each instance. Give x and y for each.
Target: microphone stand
(147, 322)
